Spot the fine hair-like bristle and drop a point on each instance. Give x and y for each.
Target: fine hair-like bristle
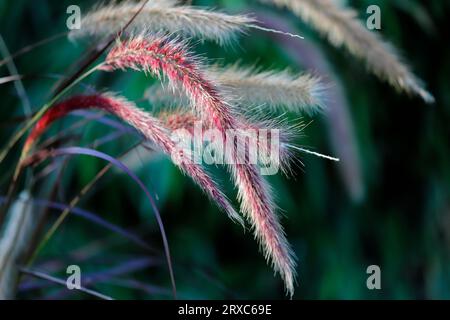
(150, 127)
(160, 55)
(159, 16)
(342, 28)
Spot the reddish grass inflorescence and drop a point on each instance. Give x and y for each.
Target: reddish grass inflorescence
(186, 120)
(161, 55)
(150, 127)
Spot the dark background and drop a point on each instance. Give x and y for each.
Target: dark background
(388, 205)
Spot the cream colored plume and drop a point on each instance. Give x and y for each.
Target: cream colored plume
(167, 16)
(342, 28)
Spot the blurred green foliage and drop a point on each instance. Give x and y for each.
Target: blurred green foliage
(402, 223)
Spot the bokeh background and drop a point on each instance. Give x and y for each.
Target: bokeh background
(386, 203)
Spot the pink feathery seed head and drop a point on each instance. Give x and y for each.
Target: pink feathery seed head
(179, 120)
(258, 206)
(61, 109)
(150, 127)
(286, 134)
(256, 202)
(162, 55)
